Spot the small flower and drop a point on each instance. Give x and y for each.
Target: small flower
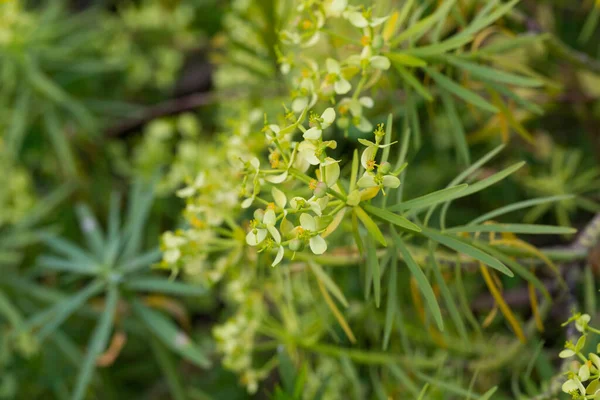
(581, 323)
(191, 190)
(369, 179)
(334, 75)
(355, 108)
(573, 385)
(363, 19)
(317, 244)
(321, 123)
(313, 152)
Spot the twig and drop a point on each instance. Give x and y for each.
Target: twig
(171, 107)
(577, 58)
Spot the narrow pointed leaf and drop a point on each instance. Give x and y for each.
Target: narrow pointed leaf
(370, 225)
(169, 334)
(429, 199)
(459, 91)
(395, 219)
(465, 248)
(422, 282)
(97, 343)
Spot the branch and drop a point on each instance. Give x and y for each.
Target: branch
(170, 107)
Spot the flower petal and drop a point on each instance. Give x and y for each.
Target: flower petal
(333, 67)
(566, 353)
(366, 181)
(274, 233)
(332, 173)
(269, 218)
(318, 245)
(328, 117)
(247, 202)
(313, 134)
(279, 197)
(278, 257)
(277, 178)
(391, 181)
(299, 104)
(256, 236)
(357, 19)
(584, 373)
(380, 62)
(308, 222)
(172, 255)
(367, 155)
(342, 86)
(569, 386)
(366, 101)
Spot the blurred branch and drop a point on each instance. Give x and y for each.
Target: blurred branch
(170, 107)
(570, 55)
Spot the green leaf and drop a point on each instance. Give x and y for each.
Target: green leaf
(167, 286)
(423, 392)
(60, 143)
(20, 112)
(91, 229)
(429, 199)
(457, 129)
(488, 395)
(69, 249)
(518, 206)
(405, 59)
(437, 49)
(467, 249)
(389, 216)
(448, 298)
(484, 19)
(60, 311)
(370, 225)
(410, 79)
(354, 172)
(415, 31)
(421, 279)
(287, 371)
(169, 369)
(480, 185)
(97, 343)
(491, 74)
(374, 270)
(10, 311)
(141, 261)
(460, 91)
(507, 45)
(533, 107)
(514, 228)
(75, 267)
(447, 386)
(170, 335)
(392, 302)
(516, 267)
(329, 283)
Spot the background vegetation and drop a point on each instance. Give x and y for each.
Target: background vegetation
(299, 199)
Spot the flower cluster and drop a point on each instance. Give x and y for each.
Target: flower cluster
(584, 375)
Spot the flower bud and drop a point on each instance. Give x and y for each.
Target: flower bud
(296, 245)
(385, 167)
(343, 123)
(321, 190)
